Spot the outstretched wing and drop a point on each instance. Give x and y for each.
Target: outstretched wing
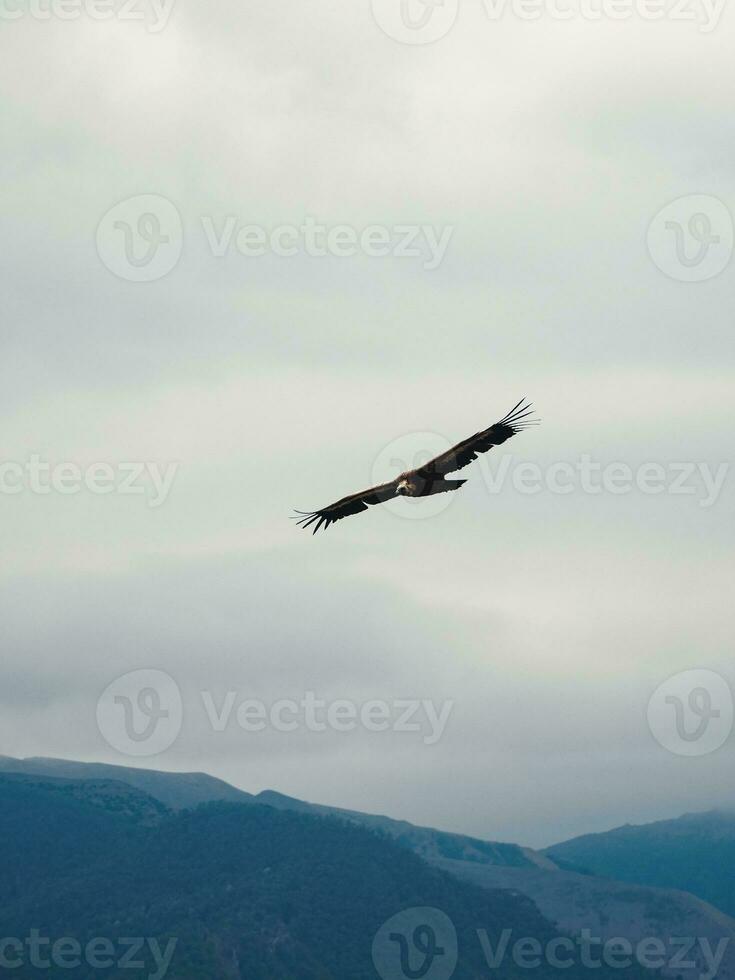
(353, 504)
(465, 452)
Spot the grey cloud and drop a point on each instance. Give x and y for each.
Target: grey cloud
(276, 383)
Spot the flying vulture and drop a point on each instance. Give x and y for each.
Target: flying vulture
(427, 479)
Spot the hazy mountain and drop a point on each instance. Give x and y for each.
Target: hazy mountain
(177, 790)
(185, 790)
(573, 901)
(228, 890)
(695, 853)
(427, 843)
(111, 795)
(609, 909)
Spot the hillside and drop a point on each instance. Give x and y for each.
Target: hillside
(572, 900)
(177, 790)
(230, 890)
(610, 909)
(185, 790)
(695, 853)
(427, 843)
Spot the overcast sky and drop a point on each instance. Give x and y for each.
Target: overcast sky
(525, 166)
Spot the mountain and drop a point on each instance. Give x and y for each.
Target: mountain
(113, 796)
(610, 909)
(695, 853)
(186, 790)
(178, 790)
(229, 891)
(553, 881)
(575, 902)
(432, 845)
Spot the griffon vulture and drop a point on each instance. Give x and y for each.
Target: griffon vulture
(427, 479)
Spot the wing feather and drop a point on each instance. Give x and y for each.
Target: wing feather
(354, 504)
(461, 455)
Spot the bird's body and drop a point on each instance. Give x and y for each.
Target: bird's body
(427, 479)
(410, 484)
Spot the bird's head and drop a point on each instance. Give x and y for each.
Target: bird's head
(402, 487)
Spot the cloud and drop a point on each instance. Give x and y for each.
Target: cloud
(278, 382)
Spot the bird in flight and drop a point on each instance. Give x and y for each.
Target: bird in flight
(429, 478)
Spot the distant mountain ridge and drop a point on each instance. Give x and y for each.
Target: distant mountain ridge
(428, 843)
(230, 891)
(695, 853)
(186, 790)
(111, 795)
(176, 790)
(575, 901)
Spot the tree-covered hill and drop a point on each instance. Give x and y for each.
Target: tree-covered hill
(245, 891)
(177, 790)
(695, 853)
